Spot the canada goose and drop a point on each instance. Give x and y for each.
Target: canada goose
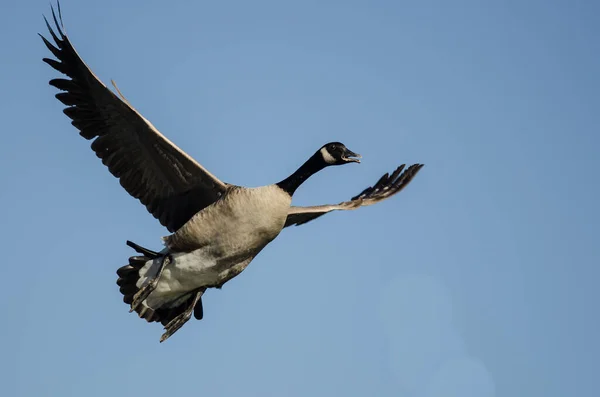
(217, 228)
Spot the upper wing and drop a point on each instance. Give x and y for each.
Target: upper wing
(386, 187)
(171, 184)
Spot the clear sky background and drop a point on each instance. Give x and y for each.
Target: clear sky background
(479, 280)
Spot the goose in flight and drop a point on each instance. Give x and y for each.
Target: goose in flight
(216, 228)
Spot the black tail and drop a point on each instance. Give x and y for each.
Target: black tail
(128, 278)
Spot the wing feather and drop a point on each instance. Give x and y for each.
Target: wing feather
(387, 186)
(171, 184)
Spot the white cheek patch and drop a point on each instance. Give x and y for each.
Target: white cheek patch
(329, 159)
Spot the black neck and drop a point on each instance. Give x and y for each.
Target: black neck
(312, 166)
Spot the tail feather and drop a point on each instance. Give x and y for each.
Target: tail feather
(127, 282)
(129, 276)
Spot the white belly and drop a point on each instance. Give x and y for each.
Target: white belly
(186, 272)
(218, 242)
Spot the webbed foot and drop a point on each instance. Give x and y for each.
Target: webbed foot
(181, 319)
(147, 289)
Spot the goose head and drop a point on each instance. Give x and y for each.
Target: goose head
(336, 153)
(332, 153)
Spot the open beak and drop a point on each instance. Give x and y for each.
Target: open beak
(351, 157)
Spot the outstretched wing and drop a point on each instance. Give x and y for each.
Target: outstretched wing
(386, 187)
(171, 184)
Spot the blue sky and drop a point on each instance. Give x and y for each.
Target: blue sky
(477, 280)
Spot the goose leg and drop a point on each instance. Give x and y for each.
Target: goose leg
(147, 289)
(182, 318)
(144, 251)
